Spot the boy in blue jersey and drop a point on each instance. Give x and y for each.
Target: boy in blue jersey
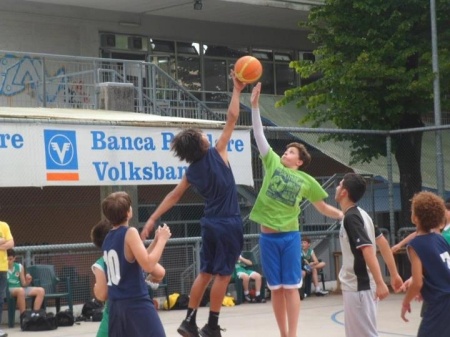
(131, 311)
(221, 226)
(98, 234)
(430, 266)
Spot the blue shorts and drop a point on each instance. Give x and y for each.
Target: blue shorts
(135, 317)
(281, 259)
(435, 319)
(222, 243)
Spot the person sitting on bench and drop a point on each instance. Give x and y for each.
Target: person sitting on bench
(245, 275)
(311, 265)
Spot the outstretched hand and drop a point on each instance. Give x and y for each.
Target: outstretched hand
(148, 227)
(256, 92)
(238, 85)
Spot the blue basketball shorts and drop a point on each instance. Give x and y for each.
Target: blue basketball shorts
(222, 243)
(281, 259)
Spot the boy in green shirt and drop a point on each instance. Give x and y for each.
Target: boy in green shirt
(277, 210)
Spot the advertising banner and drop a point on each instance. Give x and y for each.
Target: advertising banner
(35, 154)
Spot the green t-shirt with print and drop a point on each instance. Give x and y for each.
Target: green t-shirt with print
(278, 203)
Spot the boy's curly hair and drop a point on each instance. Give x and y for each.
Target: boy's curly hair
(429, 209)
(188, 145)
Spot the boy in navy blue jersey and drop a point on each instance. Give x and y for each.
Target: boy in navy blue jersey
(221, 226)
(131, 311)
(430, 266)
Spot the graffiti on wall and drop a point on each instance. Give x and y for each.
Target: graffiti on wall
(23, 75)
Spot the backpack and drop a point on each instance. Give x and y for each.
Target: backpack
(89, 307)
(182, 302)
(37, 320)
(65, 318)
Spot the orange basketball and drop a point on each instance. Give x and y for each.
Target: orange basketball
(248, 69)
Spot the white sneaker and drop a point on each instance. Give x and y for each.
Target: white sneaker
(321, 293)
(3, 334)
(151, 284)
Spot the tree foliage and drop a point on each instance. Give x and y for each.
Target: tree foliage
(374, 61)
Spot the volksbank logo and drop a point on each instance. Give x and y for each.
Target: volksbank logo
(61, 155)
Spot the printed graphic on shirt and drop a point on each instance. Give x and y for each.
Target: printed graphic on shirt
(284, 187)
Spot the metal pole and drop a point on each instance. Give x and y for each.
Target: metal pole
(437, 102)
(390, 189)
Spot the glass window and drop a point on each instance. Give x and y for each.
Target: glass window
(262, 54)
(186, 48)
(285, 78)
(226, 52)
(216, 75)
(162, 46)
(188, 71)
(267, 78)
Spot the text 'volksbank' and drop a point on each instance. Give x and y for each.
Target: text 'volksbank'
(130, 171)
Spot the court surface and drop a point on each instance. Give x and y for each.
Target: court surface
(319, 316)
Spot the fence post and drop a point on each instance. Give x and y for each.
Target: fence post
(44, 85)
(390, 188)
(197, 258)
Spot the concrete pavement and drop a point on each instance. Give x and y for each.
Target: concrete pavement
(319, 316)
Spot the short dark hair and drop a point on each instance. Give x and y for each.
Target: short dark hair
(99, 232)
(188, 145)
(429, 209)
(355, 185)
(307, 239)
(10, 252)
(115, 207)
(303, 153)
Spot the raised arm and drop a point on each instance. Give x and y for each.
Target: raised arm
(258, 133)
(232, 117)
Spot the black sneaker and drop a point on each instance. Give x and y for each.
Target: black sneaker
(206, 331)
(260, 299)
(187, 329)
(248, 298)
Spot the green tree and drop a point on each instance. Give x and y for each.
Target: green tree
(374, 63)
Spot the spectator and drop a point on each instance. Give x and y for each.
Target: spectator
(310, 264)
(19, 284)
(245, 274)
(6, 242)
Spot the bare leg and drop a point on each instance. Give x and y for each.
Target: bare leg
(315, 274)
(38, 293)
(198, 289)
(218, 291)
(19, 294)
(293, 310)
(245, 281)
(279, 309)
(258, 281)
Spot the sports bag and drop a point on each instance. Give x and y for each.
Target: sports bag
(37, 320)
(65, 318)
(89, 307)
